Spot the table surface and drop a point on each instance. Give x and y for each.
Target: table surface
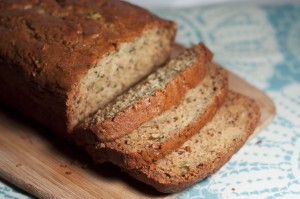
(260, 43)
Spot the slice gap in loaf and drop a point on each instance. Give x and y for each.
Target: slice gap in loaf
(167, 131)
(208, 150)
(158, 92)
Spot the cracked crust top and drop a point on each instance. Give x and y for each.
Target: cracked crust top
(56, 42)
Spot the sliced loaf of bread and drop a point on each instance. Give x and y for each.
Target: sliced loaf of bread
(206, 151)
(67, 59)
(169, 130)
(158, 92)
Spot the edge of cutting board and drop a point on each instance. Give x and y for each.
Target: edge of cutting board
(37, 161)
(44, 165)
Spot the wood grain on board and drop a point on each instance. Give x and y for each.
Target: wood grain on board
(44, 165)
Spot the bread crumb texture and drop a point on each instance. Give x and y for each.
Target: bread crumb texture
(210, 148)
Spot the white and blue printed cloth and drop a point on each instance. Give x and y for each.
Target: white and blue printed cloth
(260, 43)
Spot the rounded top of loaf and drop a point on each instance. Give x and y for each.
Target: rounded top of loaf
(56, 42)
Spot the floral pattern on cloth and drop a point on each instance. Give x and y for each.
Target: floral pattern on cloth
(260, 43)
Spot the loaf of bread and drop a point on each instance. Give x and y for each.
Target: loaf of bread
(205, 152)
(81, 68)
(61, 61)
(168, 131)
(157, 93)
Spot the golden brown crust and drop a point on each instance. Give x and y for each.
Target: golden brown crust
(48, 46)
(172, 185)
(59, 41)
(144, 157)
(132, 117)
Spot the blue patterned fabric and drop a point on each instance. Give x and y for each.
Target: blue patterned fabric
(260, 43)
(6, 192)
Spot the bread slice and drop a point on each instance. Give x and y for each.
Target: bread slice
(167, 131)
(158, 92)
(206, 151)
(67, 59)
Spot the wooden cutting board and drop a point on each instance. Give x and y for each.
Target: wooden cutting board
(42, 164)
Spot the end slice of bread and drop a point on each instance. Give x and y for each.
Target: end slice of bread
(168, 131)
(158, 92)
(206, 151)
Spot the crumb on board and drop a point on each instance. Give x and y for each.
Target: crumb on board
(84, 166)
(19, 164)
(68, 172)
